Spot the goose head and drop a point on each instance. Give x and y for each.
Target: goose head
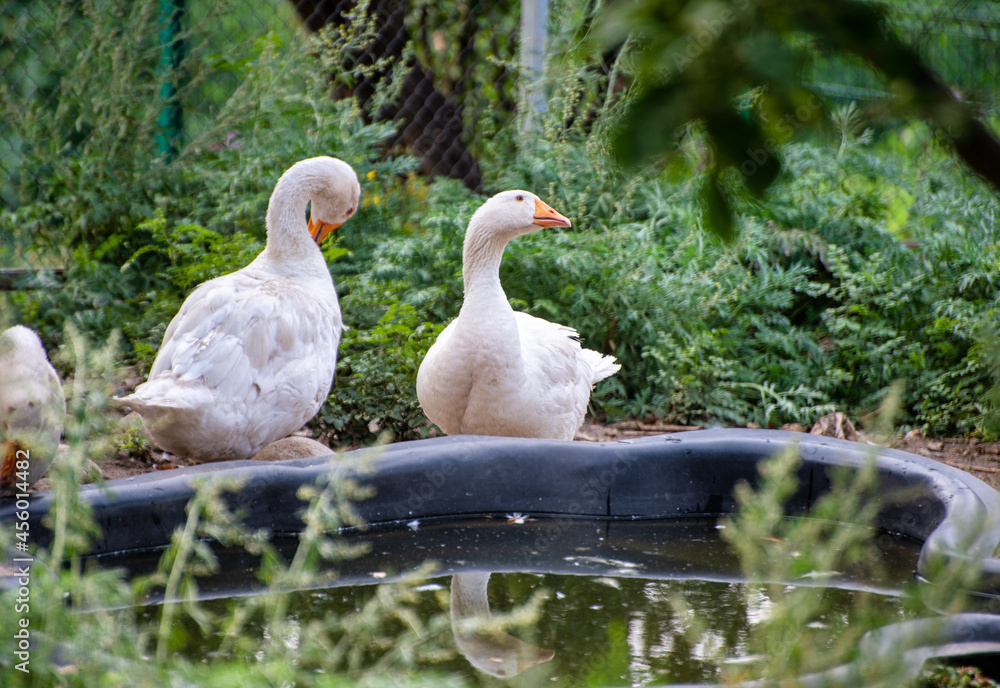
(499, 654)
(510, 214)
(327, 184)
(335, 200)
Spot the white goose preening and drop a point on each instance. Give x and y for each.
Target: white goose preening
(250, 356)
(491, 651)
(32, 409)
(494, 371)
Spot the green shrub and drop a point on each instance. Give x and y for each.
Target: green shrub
(856, 270)
(871, 259)
(375, 386)
(87, 198)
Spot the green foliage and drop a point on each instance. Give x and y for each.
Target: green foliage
(108, 207)
(135, 233)
(956, 677)
(859, 268)
(375, 386)
(133, 442)
(871, 258)
(702, 61)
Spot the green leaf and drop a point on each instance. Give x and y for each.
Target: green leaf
(717, 215)
(650, 124)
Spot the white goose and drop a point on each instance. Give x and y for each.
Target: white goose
(491, 651)
(32, 409)
(494, 371)
(250, 356)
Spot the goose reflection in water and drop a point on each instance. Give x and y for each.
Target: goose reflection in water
(488, 649)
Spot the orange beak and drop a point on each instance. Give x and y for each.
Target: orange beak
(320, 230)
(531, 655)
(546, 216)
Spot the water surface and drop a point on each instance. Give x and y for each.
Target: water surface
(627, 603)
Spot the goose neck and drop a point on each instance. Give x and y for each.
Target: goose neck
(287, 236)
(469, 595)
(481, 257)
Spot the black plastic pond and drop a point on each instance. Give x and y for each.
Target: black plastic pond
(613, 593)
(611, 530)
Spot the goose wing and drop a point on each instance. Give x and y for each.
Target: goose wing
(239, 338)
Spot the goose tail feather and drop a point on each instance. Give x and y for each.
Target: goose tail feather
(601, 366)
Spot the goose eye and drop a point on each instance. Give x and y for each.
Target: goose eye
(350, 211)
(519, 197)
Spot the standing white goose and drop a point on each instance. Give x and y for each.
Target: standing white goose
(32, 409)
(250, 356)
(494, 371)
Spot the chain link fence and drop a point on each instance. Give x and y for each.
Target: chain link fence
(457, 87)
(455, 65)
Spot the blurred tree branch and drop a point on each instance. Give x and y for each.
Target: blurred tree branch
(698, 56)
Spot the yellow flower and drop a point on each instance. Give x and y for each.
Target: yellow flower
(371, 175)
(375, 199)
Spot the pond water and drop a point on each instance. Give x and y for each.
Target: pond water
(627, 603)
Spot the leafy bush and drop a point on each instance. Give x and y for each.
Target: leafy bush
(375, 385)
(137, 233)
(87, 198)
(872, 258)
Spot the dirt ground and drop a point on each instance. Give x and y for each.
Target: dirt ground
(982, 459)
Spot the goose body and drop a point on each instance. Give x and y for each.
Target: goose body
(250, 356)
(494, 371)
(32, 409)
